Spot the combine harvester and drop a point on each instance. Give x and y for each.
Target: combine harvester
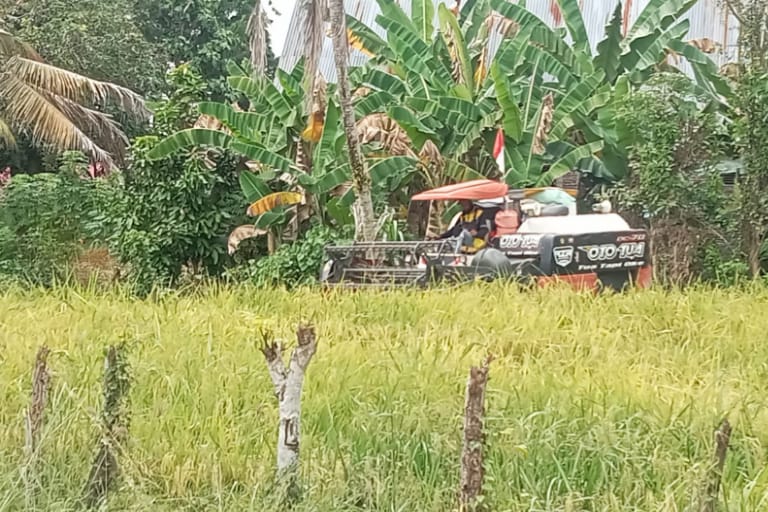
(536, 240)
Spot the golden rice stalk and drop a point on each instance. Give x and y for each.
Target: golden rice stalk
(544, 125)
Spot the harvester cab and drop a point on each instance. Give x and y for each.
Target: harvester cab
(536, 235)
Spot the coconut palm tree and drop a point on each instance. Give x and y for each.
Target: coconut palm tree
(59, 109)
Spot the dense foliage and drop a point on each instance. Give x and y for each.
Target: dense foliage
(227, 143)
(674, 186)
(203, 33)
(173, 214)
(102, 40)
(45, 219)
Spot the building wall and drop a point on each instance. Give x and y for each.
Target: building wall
(708, 20)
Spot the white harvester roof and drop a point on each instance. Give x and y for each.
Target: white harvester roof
(575, 224)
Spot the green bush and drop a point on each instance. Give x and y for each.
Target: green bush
(174, 215)
(674, 188)
(293, 264)
(46, 219)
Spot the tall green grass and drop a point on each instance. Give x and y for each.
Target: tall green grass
(595, 403)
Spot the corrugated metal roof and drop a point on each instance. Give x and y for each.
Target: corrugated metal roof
(708, 20)
(364, 10)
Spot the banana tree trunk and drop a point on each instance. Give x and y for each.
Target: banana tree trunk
(365, 221)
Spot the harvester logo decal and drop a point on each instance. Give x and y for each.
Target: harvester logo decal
(563, 255)
(607, 252)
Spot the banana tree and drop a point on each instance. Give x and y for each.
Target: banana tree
(448, 90)
(294, 169)
(593, 83)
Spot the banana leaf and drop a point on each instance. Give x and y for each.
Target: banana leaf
(609, 50)
(423, 14)
(190, 138)
(568, 162)
(648, 51)
(369, 39)
(416, 54)
(571, 10)
(253, 186)
(273, 201)
(325, 152)
(450, 28)
(705, 70)
(383, 81)
(513, 117)
(658, 15)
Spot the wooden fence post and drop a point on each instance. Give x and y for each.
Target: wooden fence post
(105, 469)
(288, 383)
(715, 476)
(33, 420)
(472, 470)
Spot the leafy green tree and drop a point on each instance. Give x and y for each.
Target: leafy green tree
(203, 33)
(752, 129)
(276, 140)
(673, 187)
(102, 40)
(173, 214)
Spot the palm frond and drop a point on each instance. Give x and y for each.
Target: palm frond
(28, 109)
(74, 87)
(257, 35)
(10, 46)
(99, 127)
(7, 138)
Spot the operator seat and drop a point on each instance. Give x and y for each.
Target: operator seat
(507, 222)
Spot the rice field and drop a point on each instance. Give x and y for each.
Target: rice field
(595, 403)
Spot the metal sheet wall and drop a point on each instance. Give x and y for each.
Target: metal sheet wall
(707, 18)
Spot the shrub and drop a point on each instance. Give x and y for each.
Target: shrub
(174, 214)
(46, 220)
(673, 187)
(295, 264)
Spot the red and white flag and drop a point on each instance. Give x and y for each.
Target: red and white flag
(498, 151)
